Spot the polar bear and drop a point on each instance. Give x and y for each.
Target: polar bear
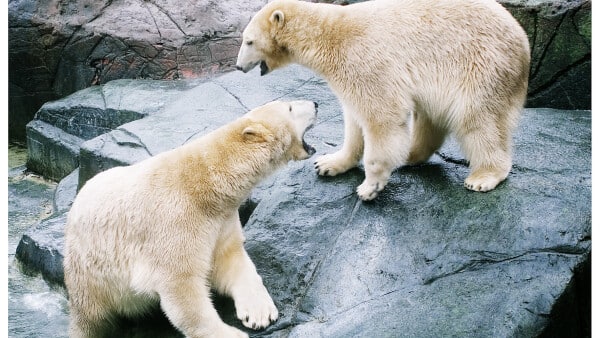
(165, 230)
(406, 73)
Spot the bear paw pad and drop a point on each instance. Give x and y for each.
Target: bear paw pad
(482, 183)
(332, 164)
(256, 311)
(367, 191)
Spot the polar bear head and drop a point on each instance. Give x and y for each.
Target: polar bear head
(261, 39)
(283, 124)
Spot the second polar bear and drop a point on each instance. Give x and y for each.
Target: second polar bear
(452, 66)
(165, 230)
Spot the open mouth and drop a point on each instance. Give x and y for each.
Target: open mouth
(310, 150)
(264, 69)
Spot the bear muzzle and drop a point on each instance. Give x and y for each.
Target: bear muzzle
(264, 69)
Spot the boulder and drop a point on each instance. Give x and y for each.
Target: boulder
(426, 258)
(560, 36)
(60, 127)
(59, 47)
(65, 193)
(41, 248)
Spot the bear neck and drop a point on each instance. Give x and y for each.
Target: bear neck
(321, 37)
(222, 171)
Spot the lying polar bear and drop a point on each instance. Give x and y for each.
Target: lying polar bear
(166, 229)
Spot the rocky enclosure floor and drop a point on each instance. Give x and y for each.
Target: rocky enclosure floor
(427, 258)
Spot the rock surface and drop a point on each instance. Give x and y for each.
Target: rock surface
(59, 47)
(427, 258)
(60, 127)
(560, 37)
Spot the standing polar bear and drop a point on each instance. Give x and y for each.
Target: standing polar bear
(407, 73)
(164, 230)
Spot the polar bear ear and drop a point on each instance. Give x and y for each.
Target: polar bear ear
(256, 133)
(277, 18)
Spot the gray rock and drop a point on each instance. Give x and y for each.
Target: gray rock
(41, 248)
(427, 257)
(65, 192)
(60, 127)
(51, 151)
(59, 47)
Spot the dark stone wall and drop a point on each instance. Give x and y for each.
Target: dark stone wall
(57, 47)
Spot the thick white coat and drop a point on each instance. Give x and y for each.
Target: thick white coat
(166, 230)
(407, 73)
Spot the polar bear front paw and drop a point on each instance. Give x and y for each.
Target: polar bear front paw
(484, 181)
(227, 331)
(255, 308)
(368, 190)
(333, 164)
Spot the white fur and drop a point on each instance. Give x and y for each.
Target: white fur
(452, 66)
(166, 230)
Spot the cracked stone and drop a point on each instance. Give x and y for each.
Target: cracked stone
(426, 258)
(56, 49)
(60, 127)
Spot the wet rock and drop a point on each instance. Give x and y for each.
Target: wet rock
(427, 257)
(51, 151)
(60, 127)
(65, 192)
(41, 248)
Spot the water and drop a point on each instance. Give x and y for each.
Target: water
(35, 309)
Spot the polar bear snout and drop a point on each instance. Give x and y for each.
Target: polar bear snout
(247, 67)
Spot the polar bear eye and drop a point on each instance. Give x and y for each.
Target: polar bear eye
(290, 107)
(249, 43)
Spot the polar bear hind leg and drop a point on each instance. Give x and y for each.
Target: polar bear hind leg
(487, 146)
(426, 138)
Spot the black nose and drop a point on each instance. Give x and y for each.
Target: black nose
(316, 104)
(238, 67)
